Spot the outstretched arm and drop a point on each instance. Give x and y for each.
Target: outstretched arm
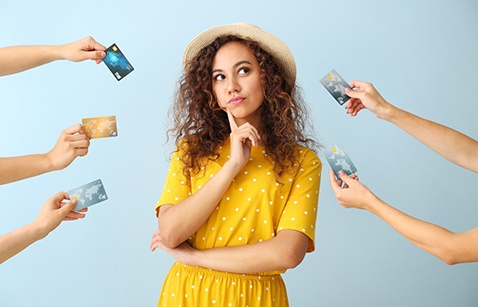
(285, 251)
(51, 215)
(72, 143)
(451, 144)
(19, 58)
(450, 247)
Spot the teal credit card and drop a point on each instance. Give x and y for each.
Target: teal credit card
(339, 161)
(89, 194)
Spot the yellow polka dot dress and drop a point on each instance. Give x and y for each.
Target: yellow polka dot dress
(254, 209)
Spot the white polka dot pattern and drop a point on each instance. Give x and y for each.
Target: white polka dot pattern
(195, 286)
(255, 206)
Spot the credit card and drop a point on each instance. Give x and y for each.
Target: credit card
(339, 161)
(336, 86)
(117, 63)
(100, 127)
(88, 194)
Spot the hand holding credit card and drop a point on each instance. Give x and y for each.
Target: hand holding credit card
(88, 194)
(117, 63)
(100, 127)
(339, 161)
(336, 85)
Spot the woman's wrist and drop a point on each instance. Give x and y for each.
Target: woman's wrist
(37, 231)
(232, 168)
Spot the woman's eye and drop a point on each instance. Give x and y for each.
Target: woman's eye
(219, 77)
(243, 70)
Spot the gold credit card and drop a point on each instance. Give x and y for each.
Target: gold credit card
(100, 127)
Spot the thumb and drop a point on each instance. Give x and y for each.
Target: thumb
(76, 128)
(345, 178)
(97, 54)
(334, 184)
(68, 207)
(352, 93)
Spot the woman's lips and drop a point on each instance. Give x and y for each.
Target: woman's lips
(236, 100)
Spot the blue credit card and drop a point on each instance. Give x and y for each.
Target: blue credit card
(339, 161)
(117, 63)
(88, 194)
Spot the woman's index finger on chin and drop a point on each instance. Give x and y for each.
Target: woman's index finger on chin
(232, 121)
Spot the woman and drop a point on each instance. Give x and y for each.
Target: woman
(240, 200)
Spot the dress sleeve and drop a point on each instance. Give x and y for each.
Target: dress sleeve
(300, 211)
(177, 186)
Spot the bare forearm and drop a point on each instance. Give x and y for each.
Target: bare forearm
(18, 168)
(247, 259)
(180, 221)
(434, 239)
(449, 143)
(285, 251)
(20, 58)
(14, 242)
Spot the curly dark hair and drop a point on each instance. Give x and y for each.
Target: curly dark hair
(202, 126)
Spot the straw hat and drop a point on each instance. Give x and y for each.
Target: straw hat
(267, 41)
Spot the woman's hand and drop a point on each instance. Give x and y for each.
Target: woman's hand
(183, 253)
(242, 139)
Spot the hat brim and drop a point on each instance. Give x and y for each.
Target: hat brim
(267, 41)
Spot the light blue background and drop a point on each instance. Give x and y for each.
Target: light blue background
(421, 55)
